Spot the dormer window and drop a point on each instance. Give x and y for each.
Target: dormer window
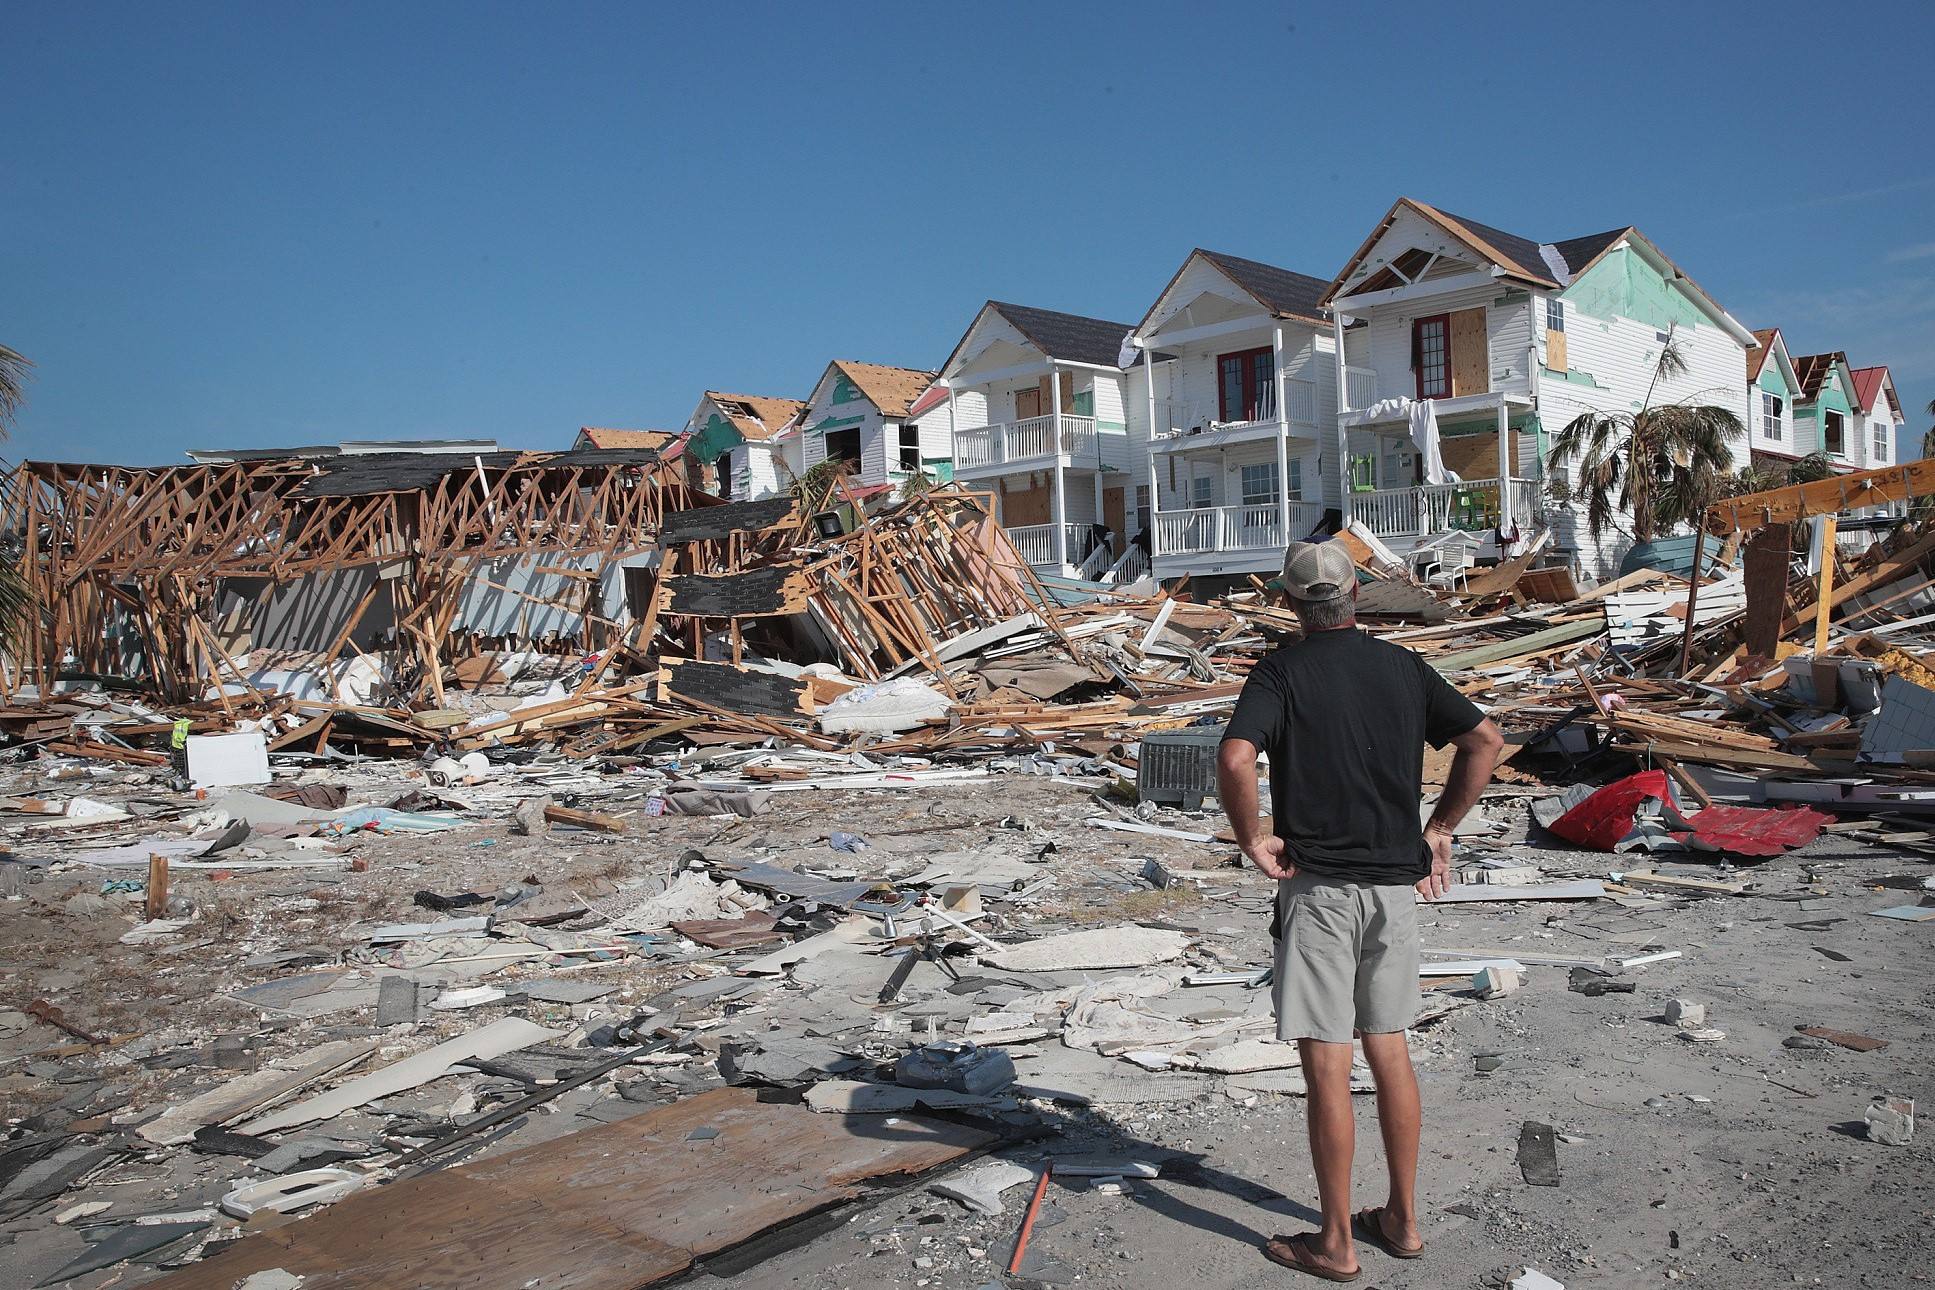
(1770, 418)
(1834, 433)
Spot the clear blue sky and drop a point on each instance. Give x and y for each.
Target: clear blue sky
(254, 225)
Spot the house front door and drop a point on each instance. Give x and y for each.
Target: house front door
(1115, 516)
(1471, 357)
(1027, 404)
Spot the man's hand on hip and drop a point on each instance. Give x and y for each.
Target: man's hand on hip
(1439, 880)
(1266, 854)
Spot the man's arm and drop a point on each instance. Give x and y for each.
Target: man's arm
(1471, 770)
(1236, 790)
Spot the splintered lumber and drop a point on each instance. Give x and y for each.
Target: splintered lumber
(583, 819)
(616, 1207)
(1539, 642)
(1835, 494)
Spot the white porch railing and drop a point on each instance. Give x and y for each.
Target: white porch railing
(1360, 386)
(1231, 528)
(1471, 506)
(1035, 543)
(1178, 417)
(1020, 442)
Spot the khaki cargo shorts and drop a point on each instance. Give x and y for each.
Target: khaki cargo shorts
(1347, 958)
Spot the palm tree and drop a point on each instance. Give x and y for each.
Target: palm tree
(15, 601)
(1928, 436)
(15, 369)
(1663, 465)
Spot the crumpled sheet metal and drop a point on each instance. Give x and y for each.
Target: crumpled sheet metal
(1643, 812)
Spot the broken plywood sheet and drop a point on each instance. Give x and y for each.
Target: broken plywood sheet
(617, 1207)
(1102, 947)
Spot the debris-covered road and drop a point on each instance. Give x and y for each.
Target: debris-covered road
(1729, 1152)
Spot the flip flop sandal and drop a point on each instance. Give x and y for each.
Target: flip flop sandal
(1370, 1225)
(1291, 1252)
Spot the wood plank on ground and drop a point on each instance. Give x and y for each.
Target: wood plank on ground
(619, 1207)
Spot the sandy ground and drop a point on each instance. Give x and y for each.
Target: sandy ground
(1739, 1162)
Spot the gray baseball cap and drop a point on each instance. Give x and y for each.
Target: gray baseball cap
(1318, 571)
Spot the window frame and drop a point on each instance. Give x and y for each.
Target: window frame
(1554, 316)
(1269, 494)
(902, 447)
(1205, 484)
(858, 457)
(1771, 428)
(1417, 354)
(1878, 443)
(1830, 417)
(1249, 395)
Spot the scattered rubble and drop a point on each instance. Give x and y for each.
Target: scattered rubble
(855, 825)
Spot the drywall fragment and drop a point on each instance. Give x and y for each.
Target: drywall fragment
(853, 1097)
(223, 761)
(1248, 1056)
(1105, 947)
(291, 1192)
(1685, 1012)
(1536, 1280)
(1891, 1120)
(980, 1188)
(500, 1037)
(1495, 982)
(238, 1096)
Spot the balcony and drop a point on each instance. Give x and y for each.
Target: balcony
(1035, 543)
(1027, 444)
(1360, 387)
(1178, 424)
(1232, 528)
(1471, 506)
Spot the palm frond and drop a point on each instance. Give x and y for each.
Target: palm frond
(15, 371)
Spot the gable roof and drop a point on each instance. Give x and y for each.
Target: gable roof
(600, 437)
(753, 415)
(891, 389)
(1283, 292)
(1067, 336)
(1870, 383)
(1522, 257)
(1811, 370)
(1757, 358)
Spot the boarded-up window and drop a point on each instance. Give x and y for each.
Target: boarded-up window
(1471, 358)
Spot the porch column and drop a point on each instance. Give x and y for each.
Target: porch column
(953, 429)
(1149, 381)
(1341, 446)
(1504, 467)
(1055, 445)
(1155, 509)
(1283, 435)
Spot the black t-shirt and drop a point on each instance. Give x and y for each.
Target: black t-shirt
(1344, 718)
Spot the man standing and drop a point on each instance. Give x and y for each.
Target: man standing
(1344, 719)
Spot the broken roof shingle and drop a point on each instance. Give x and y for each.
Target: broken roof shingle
(891, 389)
(755, 416)
(1757, 358)
(603, 437)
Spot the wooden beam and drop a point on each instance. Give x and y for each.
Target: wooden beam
(1839, 493)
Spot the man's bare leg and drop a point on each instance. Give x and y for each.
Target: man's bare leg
(1333, 1143)
(1400, 1117)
